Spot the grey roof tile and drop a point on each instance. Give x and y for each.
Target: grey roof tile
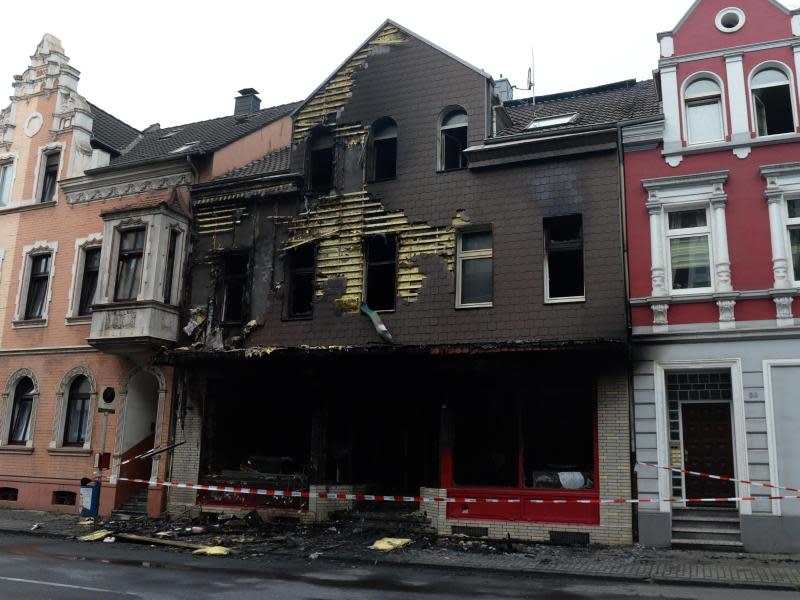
(273, 163)
(109, 131)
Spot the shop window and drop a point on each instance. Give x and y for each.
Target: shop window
(703, 103)
(78, 411)
(38, 283)
(302, 268)
(689, 249)
(772, 102)
(453, 140)
(21, 413)
(91, 271)
(170, 268)
(64, 498)
(129, 264)
(474, 269)
(485, 442)
(320, 161)
(384, 149)
(50, 163)
(564, 258)
(235, 267)
(6, 177)
(558, 439)
(793, 223)
(8, 494)
(381, 257)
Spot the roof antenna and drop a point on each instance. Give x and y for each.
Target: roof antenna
(531, 80)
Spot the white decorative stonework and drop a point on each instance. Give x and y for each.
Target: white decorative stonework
(127, 188)
(783, 183)
(727, 320)
(660, 314)
(783, 305)
(33, 124)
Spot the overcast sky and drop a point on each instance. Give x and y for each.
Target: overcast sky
(178, 61)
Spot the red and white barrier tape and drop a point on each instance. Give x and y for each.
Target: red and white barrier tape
(763, 484)
(416, 499)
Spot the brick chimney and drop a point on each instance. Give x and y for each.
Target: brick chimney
(247, 102)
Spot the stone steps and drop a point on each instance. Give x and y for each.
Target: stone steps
(706, 529)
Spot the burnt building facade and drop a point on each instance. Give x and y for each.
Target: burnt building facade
(424, 292)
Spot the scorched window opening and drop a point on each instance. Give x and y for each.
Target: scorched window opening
(381, 280)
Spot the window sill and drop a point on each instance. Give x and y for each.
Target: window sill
(452, 170)
(82, 320)
(570, 300)
(725, 145)
(69, 451)
(14, 449)
(25, 207)
(29, 323)
(468, 306)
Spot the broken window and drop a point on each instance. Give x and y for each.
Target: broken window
(453, 140)
(474, 276)
(485, 442)
(558, 426)
(384, 149)
(77, 412)
(91, 270)
(21, 413)
(563, 258)
(50, 176)
(169, 272)
(64, 498)
(129, 264)
(37, 286)
(301, 280)
(8, 494)
(704, 112)
(320, 161)
(381, 257)
(772, 102)
(234, 286)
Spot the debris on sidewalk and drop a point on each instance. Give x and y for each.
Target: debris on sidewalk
(36, 526)
(389, 544)
(86, 522)
(96, 536)
(213, 551)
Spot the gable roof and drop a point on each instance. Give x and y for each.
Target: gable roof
(111, 133)
(273, 163)
(210, 135)
(388, 23)
(696, 3)
(605, 104)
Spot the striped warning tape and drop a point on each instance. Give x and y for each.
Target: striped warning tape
(416, 499)
(763, 484)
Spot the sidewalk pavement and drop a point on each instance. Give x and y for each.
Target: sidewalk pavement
(632, 563)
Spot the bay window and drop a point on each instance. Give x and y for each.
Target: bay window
(129, 264)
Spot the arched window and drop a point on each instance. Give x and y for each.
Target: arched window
(21, 413)
(703, 102)
(384, 149)
(78, 412)
(453, 140)
(772, 102)
(320, 161)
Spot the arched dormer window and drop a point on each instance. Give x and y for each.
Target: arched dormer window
(453, 140)
(772, 102)
(703, 109)
(384, 149)
(320, 160)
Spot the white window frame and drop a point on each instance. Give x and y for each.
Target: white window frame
(783, 185)
(778, 66)
(28, 254)
(685, 102)
(93, 240)
(177, 266)
(461, 256)
(44, 152)
(10, 162)
(7, 409)
(566, 299)
(62, 401)
(673, 234)
(792, 223)
(441, 128)
(119, 229)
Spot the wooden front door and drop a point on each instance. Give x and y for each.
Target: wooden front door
(708, 447)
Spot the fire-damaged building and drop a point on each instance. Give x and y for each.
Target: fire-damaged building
(424, 293)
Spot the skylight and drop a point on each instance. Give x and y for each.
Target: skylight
(169, 134)
(185, 147)
(553, 121)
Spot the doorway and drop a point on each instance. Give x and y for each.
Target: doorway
(708, 448)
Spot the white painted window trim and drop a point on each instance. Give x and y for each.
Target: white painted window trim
(685, 112)
(731, 9)
(769, 402)
(783, 184)
(546, 271)
(741, 466)
(671, 234)
(38, 174)
(9, 159)
(783, 68)
(461, 256)
(118, 229)
(62, 400)
(28, 253)
(93, 240)
(8, 408)
(177, 269)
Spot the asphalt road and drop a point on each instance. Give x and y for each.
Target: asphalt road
(40, 569)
